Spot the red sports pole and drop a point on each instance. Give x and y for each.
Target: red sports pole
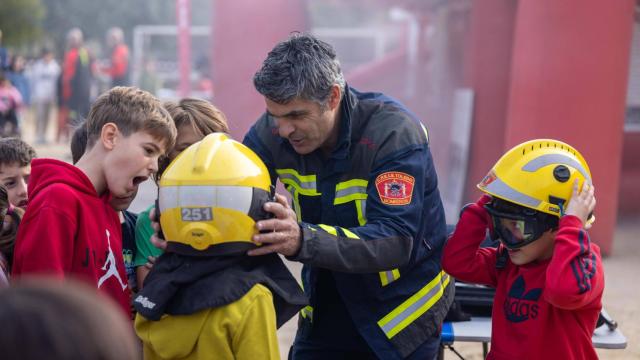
(183, 21)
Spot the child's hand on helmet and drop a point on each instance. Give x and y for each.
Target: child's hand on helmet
(582, 202)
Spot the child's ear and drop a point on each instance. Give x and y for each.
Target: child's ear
(109, 135)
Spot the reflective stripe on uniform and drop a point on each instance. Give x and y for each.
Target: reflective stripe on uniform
(415, 306)
(351, 190)
(304, 184)
(307, 312)
(296, 201)
(387, 277)
(330, 229)
(361, 209)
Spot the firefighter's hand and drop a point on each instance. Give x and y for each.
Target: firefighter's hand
(280, 234)
(582, 202)
(155, 239)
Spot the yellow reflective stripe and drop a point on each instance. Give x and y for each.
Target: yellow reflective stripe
(396, 274)
(383, 278)
(296, 202)
(330, 229)
(360, 206)
(387, 277)
(355, 189)
(303, 178)
(350, 234)
(351, 183)
(351, 197)
(415, 306)
(307, 311)
(304, 184)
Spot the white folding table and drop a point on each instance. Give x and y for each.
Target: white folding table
(478, 329)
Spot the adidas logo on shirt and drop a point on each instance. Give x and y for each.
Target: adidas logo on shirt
(521, 305)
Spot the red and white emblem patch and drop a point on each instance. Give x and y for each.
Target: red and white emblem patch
(395, 188)
(488, 179)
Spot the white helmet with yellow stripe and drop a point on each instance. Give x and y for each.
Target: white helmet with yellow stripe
(210, 197)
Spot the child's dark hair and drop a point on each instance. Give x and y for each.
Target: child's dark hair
(16, 151)
(79, 142)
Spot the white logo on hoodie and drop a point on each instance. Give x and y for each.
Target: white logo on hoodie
(110, 266)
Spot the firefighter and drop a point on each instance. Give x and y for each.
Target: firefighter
(367, 220)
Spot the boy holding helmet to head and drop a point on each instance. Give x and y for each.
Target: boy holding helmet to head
(548, 275)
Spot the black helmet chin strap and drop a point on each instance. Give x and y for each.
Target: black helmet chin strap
(502, 256)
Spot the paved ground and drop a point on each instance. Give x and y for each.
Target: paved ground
(622, 269)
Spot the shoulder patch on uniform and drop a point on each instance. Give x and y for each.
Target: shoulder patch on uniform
(395, 188)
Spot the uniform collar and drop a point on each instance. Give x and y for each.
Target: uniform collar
(348, 106)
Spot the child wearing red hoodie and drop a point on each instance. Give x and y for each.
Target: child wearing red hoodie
(69, 228)
(547, 274)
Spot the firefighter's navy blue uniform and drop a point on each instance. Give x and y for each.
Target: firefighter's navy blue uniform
(372, 226)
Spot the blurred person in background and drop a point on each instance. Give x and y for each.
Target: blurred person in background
(118, 69)
(18, 78)
(77, 74)
(60, 320)
(10, 103)
(149, 79)
(44, 75)
(4, 56)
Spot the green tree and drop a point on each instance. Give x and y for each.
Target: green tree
(21, 21)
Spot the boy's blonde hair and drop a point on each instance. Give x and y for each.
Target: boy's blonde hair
(132, 110)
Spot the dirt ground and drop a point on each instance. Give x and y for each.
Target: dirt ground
(621, 296)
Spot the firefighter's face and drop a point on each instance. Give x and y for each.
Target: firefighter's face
(307, 125)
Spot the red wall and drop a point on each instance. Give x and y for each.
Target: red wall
(629, 193)
(568, 81)
(488, 74)
(243, 33)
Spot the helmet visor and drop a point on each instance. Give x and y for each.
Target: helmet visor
(517, 226)
(514, 233)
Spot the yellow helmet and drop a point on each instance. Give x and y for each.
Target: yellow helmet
(531, 185)
(537, 174)
(210, 197)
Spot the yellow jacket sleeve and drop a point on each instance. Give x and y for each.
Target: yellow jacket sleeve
(256, 334)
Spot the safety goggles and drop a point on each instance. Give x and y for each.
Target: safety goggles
(518, 226)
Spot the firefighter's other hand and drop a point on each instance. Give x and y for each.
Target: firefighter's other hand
(155, 239)
(280, 234)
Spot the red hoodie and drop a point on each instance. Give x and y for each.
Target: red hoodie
(69, 231)
(542, 310)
